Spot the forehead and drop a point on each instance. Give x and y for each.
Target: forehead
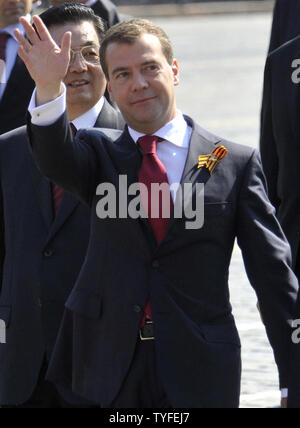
(146, 48)
(82, 33)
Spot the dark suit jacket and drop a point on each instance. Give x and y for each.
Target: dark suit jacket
(107, 11)
(286, 23)
(280, 149)
(15, 100)
(280, 139)
(186, 276)
(40, 261)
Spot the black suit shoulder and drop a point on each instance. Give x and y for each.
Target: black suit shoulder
(286, 23)
(107, 11)
(13, 139)
(16, 97)
(240, 153)
(110, 118)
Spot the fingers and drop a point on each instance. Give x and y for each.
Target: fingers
(22, 41)
(42, 29)
(22, 54)
(30, 31)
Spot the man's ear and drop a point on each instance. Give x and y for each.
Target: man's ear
(175, 69)
(110, 92)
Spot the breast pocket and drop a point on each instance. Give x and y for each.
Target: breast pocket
(217, 208)
(217, 214)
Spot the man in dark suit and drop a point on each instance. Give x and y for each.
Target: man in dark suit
(280, 147)
(103, 8)
(44, 233)
(279, 141)
(149, 322)
(286, 25)
(17, 86)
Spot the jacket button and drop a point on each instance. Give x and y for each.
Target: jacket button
(48, 253)
(137, 309)
(155, 264)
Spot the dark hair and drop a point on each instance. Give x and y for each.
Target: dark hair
(72, 13)
(129, 32)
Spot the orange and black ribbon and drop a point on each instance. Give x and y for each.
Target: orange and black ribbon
(212, 160)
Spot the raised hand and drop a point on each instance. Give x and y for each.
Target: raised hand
(46, 62)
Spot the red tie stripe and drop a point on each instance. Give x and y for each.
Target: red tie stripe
(4, 37)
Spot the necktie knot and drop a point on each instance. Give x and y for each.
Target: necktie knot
(73, 129)
(148, 144)
(3, 41)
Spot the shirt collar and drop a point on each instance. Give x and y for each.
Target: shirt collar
(88, 119)
(174, 132)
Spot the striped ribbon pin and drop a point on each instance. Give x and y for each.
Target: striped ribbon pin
(212, 160)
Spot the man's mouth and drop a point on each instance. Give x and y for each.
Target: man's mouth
(144, 100)
(78, 83)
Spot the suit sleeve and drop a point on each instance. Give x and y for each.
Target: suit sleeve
(2, 238)
(267, 258)
(69, 162)
(275, 40)
(267, 141)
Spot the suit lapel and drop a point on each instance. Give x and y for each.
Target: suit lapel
(106, 118)
(42, 187)
(68, 205)
(17, 84)
(110, 118)
(202, 143)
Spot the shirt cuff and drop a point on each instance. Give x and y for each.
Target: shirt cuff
(284, 393)
(48, 113)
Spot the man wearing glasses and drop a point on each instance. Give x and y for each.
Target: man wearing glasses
(44, 231)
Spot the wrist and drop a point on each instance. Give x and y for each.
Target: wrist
(46, 94)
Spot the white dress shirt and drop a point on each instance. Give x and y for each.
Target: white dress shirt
(173, 151)
(11, 52)
(47, 114)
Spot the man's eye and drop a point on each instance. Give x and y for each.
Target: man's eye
(152, 67)
(122, 75)
(90, 54)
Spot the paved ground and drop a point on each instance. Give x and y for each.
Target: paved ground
(222, 60)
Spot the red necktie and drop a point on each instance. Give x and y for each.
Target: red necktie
(153, 171)
(3, 41)
(58, 192)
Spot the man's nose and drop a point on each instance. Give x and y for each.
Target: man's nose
(139, 82)
(77, 64)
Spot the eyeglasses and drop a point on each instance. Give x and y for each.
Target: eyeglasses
(88, 54)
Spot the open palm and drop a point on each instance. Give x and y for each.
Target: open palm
(46, 62)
